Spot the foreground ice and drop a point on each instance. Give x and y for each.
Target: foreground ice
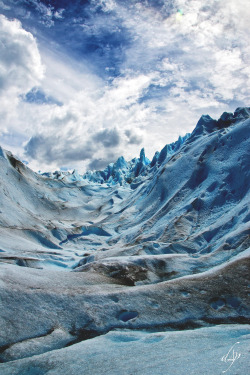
(206, 351)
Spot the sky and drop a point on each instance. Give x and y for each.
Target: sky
(83, 82)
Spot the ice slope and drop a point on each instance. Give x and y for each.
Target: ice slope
(160, 246)
(38, 213)
(195, 205)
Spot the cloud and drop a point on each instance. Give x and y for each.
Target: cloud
(124, 74)
(199, 61)
(82, 132)
(47, 149)
(56, 149)
(108, 137)
(105, 5)
(20, 62)
(133, 137)
(99, 164)
(44, 13)
(58, 14)
(92, 126)
(20, 69)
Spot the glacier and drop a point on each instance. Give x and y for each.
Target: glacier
(142, 267)
(121, 171)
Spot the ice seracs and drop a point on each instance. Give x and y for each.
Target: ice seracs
(123, 172)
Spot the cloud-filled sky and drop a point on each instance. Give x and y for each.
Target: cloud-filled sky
(83, 82)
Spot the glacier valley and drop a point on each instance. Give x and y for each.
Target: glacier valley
(142, 268)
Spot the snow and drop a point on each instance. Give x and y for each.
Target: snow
(141, 267)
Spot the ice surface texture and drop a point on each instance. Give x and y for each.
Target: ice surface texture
(105, 264)
(131, 352)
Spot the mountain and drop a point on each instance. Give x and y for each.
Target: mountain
(137, 264)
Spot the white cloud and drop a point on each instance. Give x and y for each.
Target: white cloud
(202, 56)
(90, 127)
(20, 68)
(20, 61)
(106, 5)
(174, 70)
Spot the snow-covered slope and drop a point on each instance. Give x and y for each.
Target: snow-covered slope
(141, 245)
